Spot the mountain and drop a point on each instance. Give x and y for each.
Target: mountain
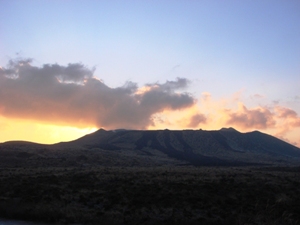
(224, 147)
(198, 147)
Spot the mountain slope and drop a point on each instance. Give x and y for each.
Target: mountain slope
(198, 147)
(225, 147)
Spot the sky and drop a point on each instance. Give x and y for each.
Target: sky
(70, 67)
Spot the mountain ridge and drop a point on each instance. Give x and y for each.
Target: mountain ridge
(221, 145)
(224, 147)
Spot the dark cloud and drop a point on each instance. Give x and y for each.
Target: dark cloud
(71, 95)
(197, 119)
(170, 86)
(259, 118)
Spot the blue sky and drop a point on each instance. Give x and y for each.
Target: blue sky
(249, 49)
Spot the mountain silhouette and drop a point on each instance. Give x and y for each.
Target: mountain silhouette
(223, 147)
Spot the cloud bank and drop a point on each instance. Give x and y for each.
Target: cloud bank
(71, 95)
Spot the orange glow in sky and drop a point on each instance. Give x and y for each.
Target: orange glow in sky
(14, 129)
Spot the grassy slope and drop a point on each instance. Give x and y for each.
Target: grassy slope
(153, 195)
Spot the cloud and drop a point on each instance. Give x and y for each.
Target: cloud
(213, 114)
(283, 112)
(71, 95)
(157, 98)
(296, 123)
(257, 96)
(258, 118)
(287, 120)
(196, 120)
(232, 111)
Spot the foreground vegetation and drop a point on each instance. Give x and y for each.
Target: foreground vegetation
(153, 195)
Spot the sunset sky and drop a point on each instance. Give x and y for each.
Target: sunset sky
(69, 67)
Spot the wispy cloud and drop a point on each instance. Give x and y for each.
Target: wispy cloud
(257, 96)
